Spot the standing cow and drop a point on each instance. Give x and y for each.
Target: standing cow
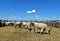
(7, 23)
(41, 26)
(17, 24)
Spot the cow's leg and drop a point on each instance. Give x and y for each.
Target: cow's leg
(20, 25)
(14, 25)
(29, 27)
(47, 30)
(25, 26)
(42, 30)
(35, 30)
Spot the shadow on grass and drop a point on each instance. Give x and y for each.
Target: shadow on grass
(42, 33)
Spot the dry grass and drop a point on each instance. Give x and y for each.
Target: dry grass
(21, 34)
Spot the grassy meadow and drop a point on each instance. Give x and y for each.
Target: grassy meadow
(9, 33)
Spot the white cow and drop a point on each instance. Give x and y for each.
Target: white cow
(41, 26)
(24, 23)
(17, 24)
(27, 24)
(7, 23)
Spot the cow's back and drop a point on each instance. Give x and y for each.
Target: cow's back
(40, 25)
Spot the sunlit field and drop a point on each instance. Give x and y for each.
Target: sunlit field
(9, 33)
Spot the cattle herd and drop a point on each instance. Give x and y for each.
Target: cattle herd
(42, 26)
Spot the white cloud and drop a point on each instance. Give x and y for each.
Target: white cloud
(31, 11)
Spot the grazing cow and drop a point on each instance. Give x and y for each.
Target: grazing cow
(24, 23)
(18, 24)
(7, 23)
(27, 24)
(41, 26)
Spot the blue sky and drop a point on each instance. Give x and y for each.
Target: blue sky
(17, 9)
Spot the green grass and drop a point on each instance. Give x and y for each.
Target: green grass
(22, 34)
